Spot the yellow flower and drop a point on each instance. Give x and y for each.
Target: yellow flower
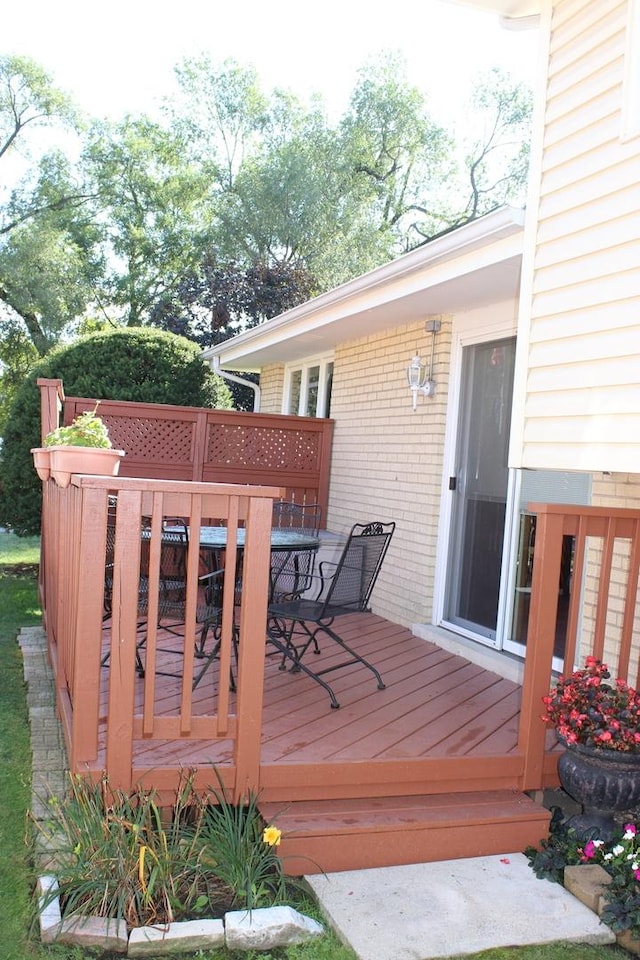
(272, 835)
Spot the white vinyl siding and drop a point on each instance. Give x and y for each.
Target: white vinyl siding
(580, 391)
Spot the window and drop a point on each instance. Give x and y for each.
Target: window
(307, 390)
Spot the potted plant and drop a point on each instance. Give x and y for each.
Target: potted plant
(599, 724)
(81, 447)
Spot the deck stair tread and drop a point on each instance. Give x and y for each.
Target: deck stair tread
(383, 831)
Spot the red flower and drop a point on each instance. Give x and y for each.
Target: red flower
(586, 709)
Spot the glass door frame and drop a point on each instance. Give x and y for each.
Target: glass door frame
(498, 322)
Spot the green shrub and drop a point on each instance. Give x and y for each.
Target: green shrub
(148, 366)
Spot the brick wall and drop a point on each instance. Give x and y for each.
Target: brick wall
(271, 388)
(387, 460)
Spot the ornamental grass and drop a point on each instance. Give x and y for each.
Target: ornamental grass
(118, 855)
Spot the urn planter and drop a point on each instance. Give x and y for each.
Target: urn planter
(604, 782)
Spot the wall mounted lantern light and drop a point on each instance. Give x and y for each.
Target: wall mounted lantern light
(419, 376)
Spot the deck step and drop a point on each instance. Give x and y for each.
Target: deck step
(330, 835)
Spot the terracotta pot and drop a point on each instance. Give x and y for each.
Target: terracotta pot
(99, 461)
(42, 461)
(603, 781)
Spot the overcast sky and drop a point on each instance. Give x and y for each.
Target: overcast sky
(118, 57)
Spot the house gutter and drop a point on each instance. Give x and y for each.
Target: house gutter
(217, 369)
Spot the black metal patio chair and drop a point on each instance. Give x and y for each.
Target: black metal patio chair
(171, 601)
(291, 572)
(293, 625)
(208, 620)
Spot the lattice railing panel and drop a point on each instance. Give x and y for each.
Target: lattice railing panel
(263, 448)
(165, 441)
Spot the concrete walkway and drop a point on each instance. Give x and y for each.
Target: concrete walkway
(452, 908)
(416, 912)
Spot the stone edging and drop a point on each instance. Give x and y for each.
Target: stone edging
(260, 929)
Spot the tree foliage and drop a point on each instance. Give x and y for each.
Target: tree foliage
(29, 100)
(148, 202)
(220, 299)
(261, 188)
(149, 366)
(399, 156)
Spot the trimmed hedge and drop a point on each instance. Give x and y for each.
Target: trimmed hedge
(137, 364)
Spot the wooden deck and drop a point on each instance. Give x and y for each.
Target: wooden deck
(435, 704)
(432, 756)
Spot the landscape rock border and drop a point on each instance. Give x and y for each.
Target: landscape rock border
(261, 929)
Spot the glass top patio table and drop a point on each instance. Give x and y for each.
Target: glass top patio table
(282, 538)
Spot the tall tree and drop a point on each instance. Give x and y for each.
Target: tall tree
(293, 200)
(148, 199)
(39, 228)
(498, 160)
(220, 112)
(29, 101)
(50, 261)
(400, 156)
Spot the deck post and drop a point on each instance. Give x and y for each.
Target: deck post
(252, 646)
(88, 625)
(51, 400)
(540, 641)
(122, 665)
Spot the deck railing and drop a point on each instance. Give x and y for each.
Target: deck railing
(602, 617)
(75, 523)
(168, 442)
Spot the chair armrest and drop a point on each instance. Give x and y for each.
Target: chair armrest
(210, 575)
(326, 575)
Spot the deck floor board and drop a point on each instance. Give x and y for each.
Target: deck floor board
(435, 704)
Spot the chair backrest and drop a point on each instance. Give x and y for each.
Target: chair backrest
(291, 571)
(358, 568)
(291, 574)
(305, 517)
(173, 555)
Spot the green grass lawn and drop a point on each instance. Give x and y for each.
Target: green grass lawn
(18, 934)
(18, 550)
